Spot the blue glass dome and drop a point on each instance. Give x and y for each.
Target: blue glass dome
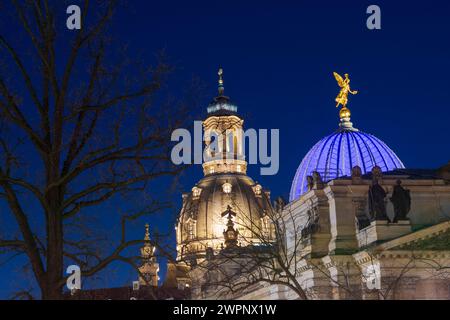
(335, 155)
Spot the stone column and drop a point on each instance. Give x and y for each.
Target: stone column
(342, 220)
(320, 238)
(344, 276)
(315, 278)
(370, 269)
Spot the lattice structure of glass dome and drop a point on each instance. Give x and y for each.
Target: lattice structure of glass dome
(336, 154)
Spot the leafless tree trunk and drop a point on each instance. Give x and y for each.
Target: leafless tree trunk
(76, 130)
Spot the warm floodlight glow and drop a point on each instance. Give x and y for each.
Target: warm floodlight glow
(227, 187)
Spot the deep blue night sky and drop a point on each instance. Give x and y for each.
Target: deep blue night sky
(278, 58)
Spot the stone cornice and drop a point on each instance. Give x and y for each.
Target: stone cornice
(415, 254)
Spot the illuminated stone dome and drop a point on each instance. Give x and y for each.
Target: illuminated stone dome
(201, 223)
(336, 154)
(225, 191)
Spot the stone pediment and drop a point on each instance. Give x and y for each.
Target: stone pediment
(436, 238)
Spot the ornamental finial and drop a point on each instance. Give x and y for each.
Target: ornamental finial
(221, 88)
(230, 234)
(342, 97)
(147, 232)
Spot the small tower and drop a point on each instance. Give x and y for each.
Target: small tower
(149, 268)
(200, 224)
(223, 130)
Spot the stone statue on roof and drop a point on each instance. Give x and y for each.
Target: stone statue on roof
(401, 199)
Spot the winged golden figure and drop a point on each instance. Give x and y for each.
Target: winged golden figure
(342, 97)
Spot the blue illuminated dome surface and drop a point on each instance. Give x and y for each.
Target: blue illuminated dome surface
(335, 155)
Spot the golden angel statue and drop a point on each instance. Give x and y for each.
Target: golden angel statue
(342, 99)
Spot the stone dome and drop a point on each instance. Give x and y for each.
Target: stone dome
(200, 224)
(336, 154)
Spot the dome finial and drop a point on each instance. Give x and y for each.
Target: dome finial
(344, 113)
(221, 88)
(230, 234)
(342, 97)
(147, 232)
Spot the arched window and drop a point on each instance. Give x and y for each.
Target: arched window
(191, 229)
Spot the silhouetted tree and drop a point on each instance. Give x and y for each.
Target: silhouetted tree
(80, 125)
